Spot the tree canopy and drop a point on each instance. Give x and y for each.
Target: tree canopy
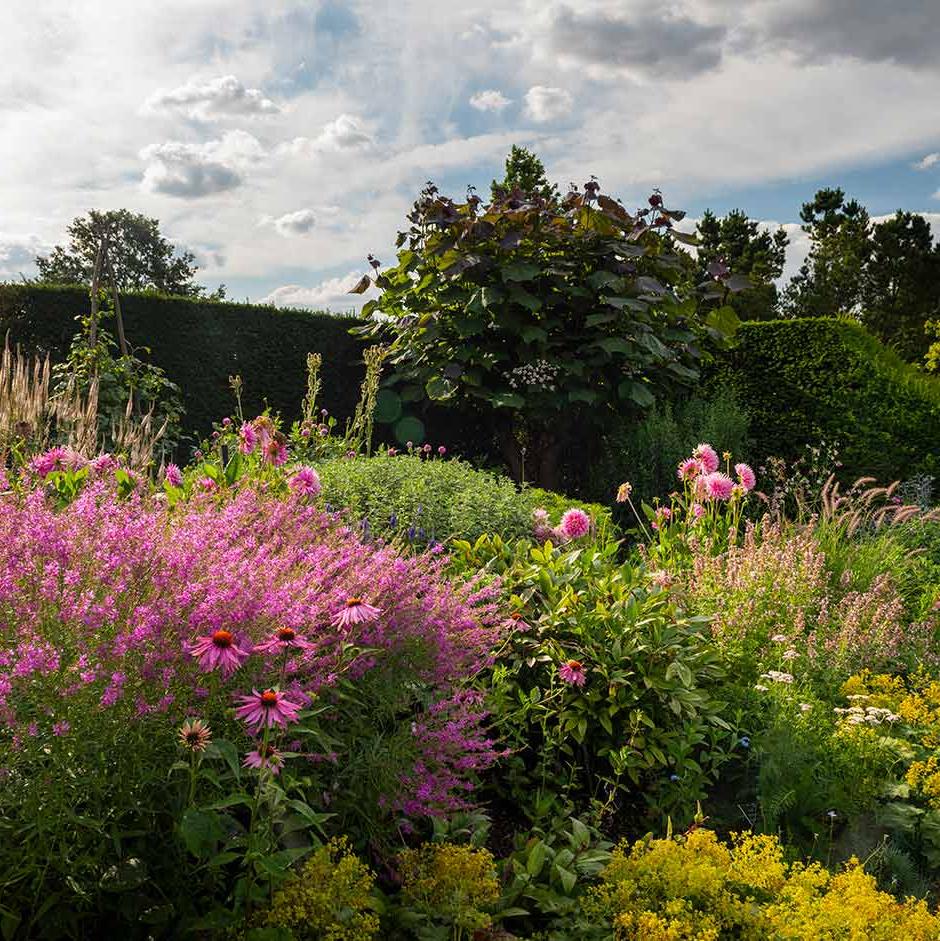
(141, 257)
(524, 171)
(749, 250)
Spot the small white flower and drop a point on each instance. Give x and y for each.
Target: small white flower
(790, 654)
(761, 688)
(805, 707)
(779, 638)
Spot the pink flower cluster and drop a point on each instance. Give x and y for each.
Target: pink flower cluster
(701, 472)
(574, 524)
(125, 605)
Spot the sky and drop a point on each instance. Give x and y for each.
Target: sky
(282, 141)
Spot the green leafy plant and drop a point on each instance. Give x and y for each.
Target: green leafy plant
(553, 313)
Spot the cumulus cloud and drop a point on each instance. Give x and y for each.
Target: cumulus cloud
(660, 41)
(18, 252)
(547, 104)
(299, 222)
(332, 294)
(489, 100)
(190, 171)
(346, 133)
(207, 100)
(926, 162)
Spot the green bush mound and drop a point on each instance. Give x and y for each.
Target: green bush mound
(201, 343)
(431, 500)
(811, 379)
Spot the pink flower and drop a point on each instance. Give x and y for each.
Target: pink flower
(356, 611)
(60, 728)
(267, 709)
(663, 513)
(274, 453)
(698, 511)
(265, 756)
(689, 469)
(103, 463)
(283, 639)
(573, 672)
(173, 475)
(208, 484)
(219, 650)
(248, 436)
(195, 735)
(717, 486)
(708, 457)
(575, 523)
(305, 482)
(746, 477)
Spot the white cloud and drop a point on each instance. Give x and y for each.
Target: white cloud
(547, 104)
(345, 134)
(214, 98)
(925, 163)
(489, 100)
(300, 222)
(190, 171)
(17, 253)
(332, 294)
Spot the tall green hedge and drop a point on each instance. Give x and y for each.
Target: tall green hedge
(201, 343)
(801, 380)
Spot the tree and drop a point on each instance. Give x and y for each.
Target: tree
(524, 172)
(142, 258)
(901, 284)
(830, 281)
(748, 250)
(555, 315)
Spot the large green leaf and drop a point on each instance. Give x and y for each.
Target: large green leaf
(508, 400)
(530, 334)
(439, 388)
(520, 271)
(615, 345)
(724, 320)
(522, 297)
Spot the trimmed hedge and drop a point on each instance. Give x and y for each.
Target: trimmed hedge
(802, 380)
(201, 343)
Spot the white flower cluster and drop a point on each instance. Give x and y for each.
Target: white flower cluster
(540, 373)
(777, 676)
(867, 715)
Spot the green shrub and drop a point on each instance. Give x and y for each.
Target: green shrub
(806, 380)
(647, 453)
(432, 500)
(200, 343)
(606, 689)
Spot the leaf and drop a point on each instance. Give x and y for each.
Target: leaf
(439, 388)
(362, 285)
(724, 320)
(520, 271)
(536, 859)
(641, 394)
(508, 400)
(582, 395)
(522, 297)
(737, 283)
(615, 345)
(200, 831)
(648, 285)
(530, 333)
(593, 320)
(604, 279)
(491, 296)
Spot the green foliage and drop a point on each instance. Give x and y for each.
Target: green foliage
(524, 172)
(749, 251)
(553, 315)
(199, 344)
(646, 452)
(607, 688)
(142, 258)
(432, 500)
(811, 379)
(330, 899)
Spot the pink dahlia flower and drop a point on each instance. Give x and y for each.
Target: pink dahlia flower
(267, 709)
(103, 463)
(708, 457)
(219, 650)
(274, 453)
(689, 469)
(717, 486)
(356, 611)
(746, 477)
(173, 475)
(698, 511)
(573, 672)
(248, 438)
(283, 639)
(305, 482)
(575, 523)
(265, 756)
